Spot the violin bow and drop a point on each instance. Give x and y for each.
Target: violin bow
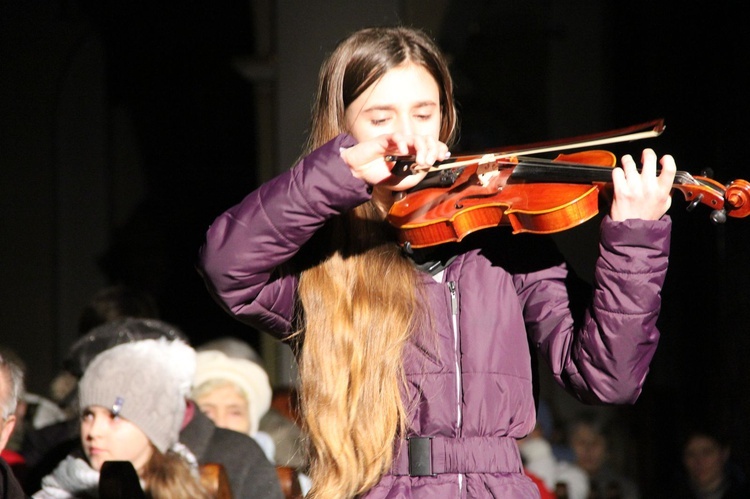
(404, 165)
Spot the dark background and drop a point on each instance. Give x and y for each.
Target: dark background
(130, 204)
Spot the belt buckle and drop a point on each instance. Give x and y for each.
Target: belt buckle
(420, 456)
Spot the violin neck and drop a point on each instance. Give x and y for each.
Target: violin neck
(572, 173)
(565, 173)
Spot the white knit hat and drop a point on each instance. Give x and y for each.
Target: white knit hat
(252, 379)
(144, 382)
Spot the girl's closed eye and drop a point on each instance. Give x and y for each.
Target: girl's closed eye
(379, 119)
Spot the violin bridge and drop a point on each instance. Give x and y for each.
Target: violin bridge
(487, 169)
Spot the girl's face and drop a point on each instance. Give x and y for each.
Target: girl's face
(226, 407)
(704, 460)
(590, 448)
(405, 100)
(106, 437)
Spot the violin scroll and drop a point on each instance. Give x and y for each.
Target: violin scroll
(732, 200)
(738, 197)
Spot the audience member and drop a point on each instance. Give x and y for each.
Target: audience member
(108, 304)
(32, 413)
(218, 391)
(235, 393)
(46, 446)
(11, 388)
(132, 405)
(282, 426)
(709, 472)
(540, 461)
(39, 440)
(250, 473)
(590, 439)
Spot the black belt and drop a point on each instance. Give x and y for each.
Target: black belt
(427, 456)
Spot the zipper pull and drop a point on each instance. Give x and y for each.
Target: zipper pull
(454, 297)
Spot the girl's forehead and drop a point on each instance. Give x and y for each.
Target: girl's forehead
(404, 82)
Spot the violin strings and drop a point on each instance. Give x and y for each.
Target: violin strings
(524, 167)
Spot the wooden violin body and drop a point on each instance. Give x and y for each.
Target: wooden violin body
(533, 195)
(434, 215)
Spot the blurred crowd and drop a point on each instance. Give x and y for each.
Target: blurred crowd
(132, 388)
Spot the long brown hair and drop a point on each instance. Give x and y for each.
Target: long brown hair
(360, 303)
(169, 476)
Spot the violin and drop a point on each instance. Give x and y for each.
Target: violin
(510, 187)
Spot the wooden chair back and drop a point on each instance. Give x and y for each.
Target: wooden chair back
(289, 481)
(214, 479)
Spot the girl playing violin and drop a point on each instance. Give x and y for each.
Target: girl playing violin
(415, 369)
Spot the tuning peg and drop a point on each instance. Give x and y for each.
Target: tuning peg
(695, 202)
(719, 216)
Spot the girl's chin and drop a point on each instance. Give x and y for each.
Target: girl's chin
(96, 462)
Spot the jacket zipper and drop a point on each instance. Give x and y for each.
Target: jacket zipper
(457, 353)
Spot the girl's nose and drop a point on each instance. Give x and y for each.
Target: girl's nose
(220, 419)
(404, 125)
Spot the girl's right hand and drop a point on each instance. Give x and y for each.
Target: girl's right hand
(366, 160)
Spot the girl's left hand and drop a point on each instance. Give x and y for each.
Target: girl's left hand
(642, 195)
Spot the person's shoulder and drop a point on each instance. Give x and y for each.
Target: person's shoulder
(10, 488)
(248, 468)
(209, 442)
(236, 442)
(231, 437)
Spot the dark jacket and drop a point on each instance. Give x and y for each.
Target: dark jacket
(734, 486)
(470, 376)
(9, 486)
(250, 473)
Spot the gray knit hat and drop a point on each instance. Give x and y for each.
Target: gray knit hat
(142, 382)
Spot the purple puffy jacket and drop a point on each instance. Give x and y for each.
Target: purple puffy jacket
(472, 388)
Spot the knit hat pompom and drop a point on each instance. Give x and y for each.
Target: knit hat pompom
(143, 382)
(249, 377)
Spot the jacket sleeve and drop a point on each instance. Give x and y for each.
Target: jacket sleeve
(604, 357)
(245, 248)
